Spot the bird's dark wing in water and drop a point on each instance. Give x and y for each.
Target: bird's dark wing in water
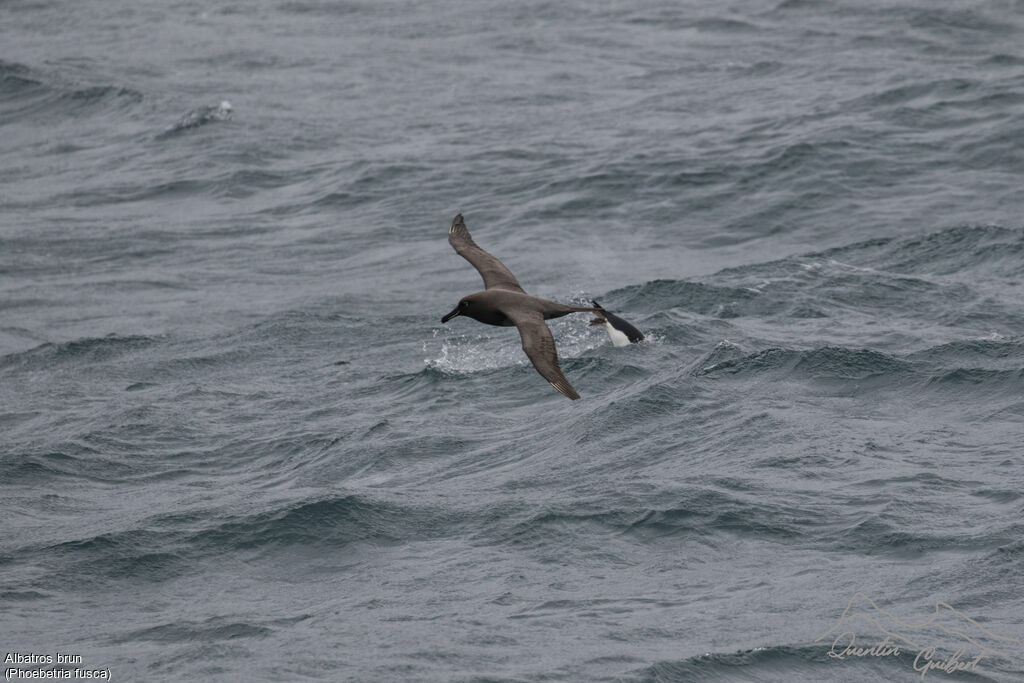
(539, 345)
(493, 271)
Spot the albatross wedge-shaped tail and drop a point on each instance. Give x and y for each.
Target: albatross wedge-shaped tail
(493, 271)
(539, 345)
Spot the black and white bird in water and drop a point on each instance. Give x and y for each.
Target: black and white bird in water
(620, 331)
(503, 302)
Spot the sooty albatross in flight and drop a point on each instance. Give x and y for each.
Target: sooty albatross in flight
(503, 302)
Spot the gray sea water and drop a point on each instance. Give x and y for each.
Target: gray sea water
(236, 443)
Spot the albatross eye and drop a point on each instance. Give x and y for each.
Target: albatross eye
(463, 305)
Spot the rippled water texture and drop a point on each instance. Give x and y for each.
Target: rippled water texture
(236, 442)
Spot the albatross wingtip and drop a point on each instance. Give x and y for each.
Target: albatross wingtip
(566, 389)
(458, 228)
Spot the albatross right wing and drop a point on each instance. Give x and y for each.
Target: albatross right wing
(493, 271)
(539, 345)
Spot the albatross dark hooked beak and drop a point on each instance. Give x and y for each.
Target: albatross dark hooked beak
(450, 315)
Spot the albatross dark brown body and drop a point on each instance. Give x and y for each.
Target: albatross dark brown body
(504, 303)
(489, 307)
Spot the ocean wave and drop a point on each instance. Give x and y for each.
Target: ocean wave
(991, 250)
(768, 663)
(211, 630)
(959, 277)
(327, 522)
(981, 377)
(31, 469)
(892, 533)
(822, 363)
(163, 547)
(701, 515)
(78, 350)
(970, 365)
(16, 79)
(200, 116)
(36, 95)
(988, 352)
(697, 297)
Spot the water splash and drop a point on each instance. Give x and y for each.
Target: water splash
(465, 354)
(202, 116)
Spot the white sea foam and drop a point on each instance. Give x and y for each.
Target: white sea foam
(455, 353)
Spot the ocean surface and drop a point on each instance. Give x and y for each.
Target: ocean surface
(237, 444)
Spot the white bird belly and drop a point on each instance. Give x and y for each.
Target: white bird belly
(618, 338)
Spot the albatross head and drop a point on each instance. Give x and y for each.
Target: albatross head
(461, 309)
